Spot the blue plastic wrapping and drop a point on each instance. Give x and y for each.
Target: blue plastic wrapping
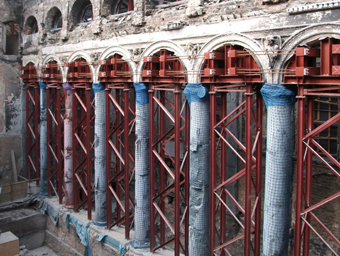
(196, 92)
(68, 88)
(97, 87)
(104, 238)
(277, 95)
(142, 96)
(82, 232)
(50, 210)
(42, 85)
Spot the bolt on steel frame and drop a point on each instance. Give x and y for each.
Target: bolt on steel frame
(55, 130)
(30, 78)
(120, 120)
(169, 153)
(316, 72)
(231, 69)
(82, 140)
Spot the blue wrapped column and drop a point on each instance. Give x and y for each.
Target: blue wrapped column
(199, 170)
(43, 142)
(100, 154)
(142, 191)
(278, 177)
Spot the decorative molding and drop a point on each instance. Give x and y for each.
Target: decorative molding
(314, 7)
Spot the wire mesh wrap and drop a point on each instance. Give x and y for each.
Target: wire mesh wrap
(68, 160)
(197, 96)
(142, 190)
(278, 177)
(43, 142)
(100, 155)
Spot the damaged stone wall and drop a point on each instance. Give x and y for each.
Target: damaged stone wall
(10, 91)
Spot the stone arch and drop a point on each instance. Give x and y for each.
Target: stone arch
(31, 26)
(306, 36)
(110, 7)
(235, 39)
(79, 9)
(167, 45)
(84, 55)
(35, 63)
(54, 19)
(117, 50)
(53, 57)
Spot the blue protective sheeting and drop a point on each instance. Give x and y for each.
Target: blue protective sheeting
(277, 95)
(68, 88)
(82, 232)
(52, 212)
(196, 92)
(142, 96)
(104, 238)
(42, 85)
(97, 87)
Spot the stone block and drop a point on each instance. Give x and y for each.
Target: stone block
(9, 244)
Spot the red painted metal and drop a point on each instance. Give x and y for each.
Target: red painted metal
(322, 60)
(30, 78)
(169, 169)
(55, 116)
(234, 64)
(80, 77)
(115, 72)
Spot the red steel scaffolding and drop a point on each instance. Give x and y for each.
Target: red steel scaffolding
(30, 78)
(120, 120)
(55, 128)
(315, 70)
(231, 69)
(79, 75)
(169, 153)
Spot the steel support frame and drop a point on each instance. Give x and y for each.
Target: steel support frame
(82, 146)
(55, 130)
(30, 78)
(251, 107)
(174, 219)
(118, 148)
(306, 221)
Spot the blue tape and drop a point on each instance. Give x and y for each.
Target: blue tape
(97, 87)
(82, 232)
(142, 95)
(196, 92)
(277, 95)
(42, 85)
(104, 238)
(68, 88)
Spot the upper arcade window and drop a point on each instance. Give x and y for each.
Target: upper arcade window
(116, 7)
(82, 12)
(31, 26)
(10, 41)
(54, 19)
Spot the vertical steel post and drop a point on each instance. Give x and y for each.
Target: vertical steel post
(23, 129)
(308, 178)
(108, 157)
(258, 177)
(36, 117)
(248, 135)
(299, 169)
(152, 166)
(212, 166)
(127, 159)
(177, 166)
(88, 150)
